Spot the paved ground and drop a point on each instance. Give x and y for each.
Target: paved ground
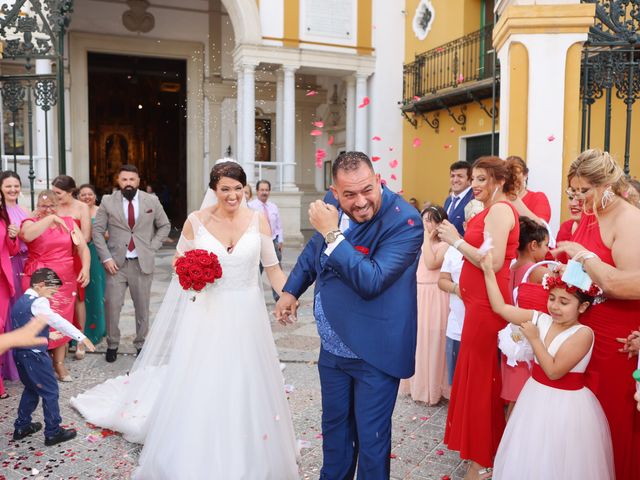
(417, 454)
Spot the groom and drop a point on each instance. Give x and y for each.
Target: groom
(363, 260)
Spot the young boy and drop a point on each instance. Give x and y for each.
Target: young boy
(34, 364)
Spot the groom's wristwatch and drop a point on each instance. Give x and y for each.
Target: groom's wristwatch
(332, 236)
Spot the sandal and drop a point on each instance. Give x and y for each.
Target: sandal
(80, 351)
(485, 473)
(61, 377)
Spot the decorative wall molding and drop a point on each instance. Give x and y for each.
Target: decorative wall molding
(423, 19)
(137, 19)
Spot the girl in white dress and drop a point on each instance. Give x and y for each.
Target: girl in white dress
(557, 429)
(206, 395)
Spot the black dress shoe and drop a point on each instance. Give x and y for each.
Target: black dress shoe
(63, 435)
(112, 355)
(25, 432)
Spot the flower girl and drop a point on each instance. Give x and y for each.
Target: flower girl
(557, 428)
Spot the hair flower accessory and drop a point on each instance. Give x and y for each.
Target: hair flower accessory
(594, 292)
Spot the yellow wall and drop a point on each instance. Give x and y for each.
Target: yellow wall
(453, 19)
(426, 168)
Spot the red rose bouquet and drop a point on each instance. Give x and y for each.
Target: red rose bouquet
(196, 269)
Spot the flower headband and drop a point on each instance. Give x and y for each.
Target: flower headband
(550, 282)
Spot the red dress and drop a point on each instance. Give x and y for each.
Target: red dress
(609, 372)
(54, 249)
(564, 235)
(476, 413)
(538, 203)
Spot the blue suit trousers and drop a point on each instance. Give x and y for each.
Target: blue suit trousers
(36, 374)
(357, 404)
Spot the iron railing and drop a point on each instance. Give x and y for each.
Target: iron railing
(465, 59)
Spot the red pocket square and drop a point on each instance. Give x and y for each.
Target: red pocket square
(361, 249)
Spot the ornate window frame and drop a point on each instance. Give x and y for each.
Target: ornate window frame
(425, 7)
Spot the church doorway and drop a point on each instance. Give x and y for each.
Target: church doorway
(138, 115)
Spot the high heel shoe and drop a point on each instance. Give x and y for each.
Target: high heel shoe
(80, 351)
(62, 377)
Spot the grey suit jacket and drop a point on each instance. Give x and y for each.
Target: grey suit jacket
(151, 228)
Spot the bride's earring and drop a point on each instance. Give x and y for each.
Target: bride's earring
(607, 197)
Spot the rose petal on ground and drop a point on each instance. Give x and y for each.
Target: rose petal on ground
(424, 419)
(439, 452)
(319, 435)
(365, 102)
(392, 455)
(316, 133)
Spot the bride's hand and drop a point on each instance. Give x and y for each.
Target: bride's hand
(286, 309)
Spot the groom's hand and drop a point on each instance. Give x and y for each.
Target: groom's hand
(286, 309)
(323, 217)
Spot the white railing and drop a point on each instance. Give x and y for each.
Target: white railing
(39, 167)
(272, 171)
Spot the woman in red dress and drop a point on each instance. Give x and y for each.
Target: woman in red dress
(607, 237)
(50, 240)
(8, 247)
(476, 412)
(64, 187)
(534, 205)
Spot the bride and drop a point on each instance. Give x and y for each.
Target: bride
(206, 395)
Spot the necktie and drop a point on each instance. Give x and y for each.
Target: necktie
(454, 204)
(132, 221)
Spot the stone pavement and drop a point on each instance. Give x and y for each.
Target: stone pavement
(417, 454)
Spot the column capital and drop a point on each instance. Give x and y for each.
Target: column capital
(543, 19)
(288, 68)
(362, 75)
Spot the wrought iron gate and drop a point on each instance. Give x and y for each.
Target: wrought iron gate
(32, 30)
(611, 69)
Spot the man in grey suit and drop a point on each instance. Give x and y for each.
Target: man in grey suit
(136, 225)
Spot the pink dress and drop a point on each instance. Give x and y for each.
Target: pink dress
(16, 216)
(429, 383)
(54, 249)
(8, 247)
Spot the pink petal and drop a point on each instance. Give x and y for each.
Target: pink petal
(416, 98)
(391, 149)
(375, 159)
(318, 124)
(383, 181)
(439, 452)
(416, 142)
(315, 133)
(312, 93)
(393, 163)
(551, 138)
(393, 176)
(460, 78)
(376, 139)
(319, 435)
(424, 418)
(392, 455)
(365, 102)
(330, 141)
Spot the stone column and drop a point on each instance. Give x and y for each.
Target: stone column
(351, 113)
(289, 127)
(279, 114)
(539, 47)
(238, 154)
(249, 121)
(362, 130)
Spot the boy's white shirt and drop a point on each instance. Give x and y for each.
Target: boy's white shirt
(41, 306)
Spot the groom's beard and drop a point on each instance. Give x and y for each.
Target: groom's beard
(129, 192)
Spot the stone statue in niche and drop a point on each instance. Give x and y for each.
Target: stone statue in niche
(117, 152)
(137, 19)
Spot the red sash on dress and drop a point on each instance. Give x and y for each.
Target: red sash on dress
(570, 381)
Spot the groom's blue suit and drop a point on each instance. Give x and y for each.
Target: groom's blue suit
(367, 287)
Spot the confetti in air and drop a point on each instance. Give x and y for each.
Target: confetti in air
(376, 139)
(365, 102)
(318, 124)
(393, 163)
(311, 93)
(393, 176)
(416, 142)
(316, 133)
(330, 141)
(416, 98)
(551, 138)
(375, 159)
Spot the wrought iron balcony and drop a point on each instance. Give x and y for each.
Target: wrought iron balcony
(449, 66)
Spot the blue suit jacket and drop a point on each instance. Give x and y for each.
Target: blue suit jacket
(457, 216)
(370, 300)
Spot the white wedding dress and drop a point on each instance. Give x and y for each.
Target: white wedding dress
(206, 395)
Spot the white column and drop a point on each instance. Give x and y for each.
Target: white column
(42, 140)
(289, 126)
(351, 113)
(279, 114)
(361, 141)
(239, 112)
(249, 121)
